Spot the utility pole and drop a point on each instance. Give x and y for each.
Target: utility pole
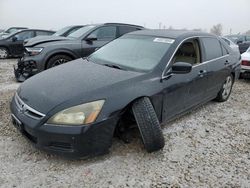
(159, 25)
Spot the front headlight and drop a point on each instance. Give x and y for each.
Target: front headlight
(78, 115)
(34, 51)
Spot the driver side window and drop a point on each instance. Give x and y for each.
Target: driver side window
(105, 33)
(24, 35)
(188, 52)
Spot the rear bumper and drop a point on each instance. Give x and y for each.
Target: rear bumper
(67, 141)
(245, 71)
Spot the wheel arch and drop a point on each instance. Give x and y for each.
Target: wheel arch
(6, 47)
(64, 52)
(233, 74)
(128, 108)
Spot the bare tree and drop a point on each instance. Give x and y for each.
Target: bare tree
(248, 32)
(216, 29)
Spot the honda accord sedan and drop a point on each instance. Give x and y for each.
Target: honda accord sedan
(149, 77)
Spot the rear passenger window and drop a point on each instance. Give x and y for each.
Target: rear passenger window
(212, 48)
(41, 33)
(124, 29)
(248, 38)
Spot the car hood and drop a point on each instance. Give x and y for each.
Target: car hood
(77, 80)
(44, 39)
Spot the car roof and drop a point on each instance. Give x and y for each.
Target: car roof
(36, 30)
(124, 24)
(169, 33)
(119, 24)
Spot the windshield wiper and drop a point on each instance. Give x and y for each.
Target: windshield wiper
(114, 66)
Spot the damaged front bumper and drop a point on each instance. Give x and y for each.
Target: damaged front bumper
(25, 69)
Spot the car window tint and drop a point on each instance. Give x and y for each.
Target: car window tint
(212, 48)
(108, 32)
(125, 29)
(248, 38)
(40, 33)
(24, 35)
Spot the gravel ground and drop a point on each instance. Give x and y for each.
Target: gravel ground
(209, 147)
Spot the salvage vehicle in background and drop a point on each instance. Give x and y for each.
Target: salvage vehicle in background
(148, 76)
(12, 46)
(44, 54)
(245, 64)
(11, 30)
(64, 32)
(242, 40)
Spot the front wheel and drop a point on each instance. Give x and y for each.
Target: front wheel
(3, 53)
(225, 90)
(58, 60)
(148, 124)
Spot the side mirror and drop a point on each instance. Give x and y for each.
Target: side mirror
(181, 68)
(14, 39)
(91, 38)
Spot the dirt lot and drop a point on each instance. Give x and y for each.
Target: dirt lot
(209, 147)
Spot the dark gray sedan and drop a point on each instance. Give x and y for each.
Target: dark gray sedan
(148, 77)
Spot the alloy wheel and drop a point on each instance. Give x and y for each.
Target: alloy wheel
(59, 62)
(227, 86)
(3, 53)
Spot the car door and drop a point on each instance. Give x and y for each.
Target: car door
(182, 91)
(16, 45)
(103, 35)
(218, 64)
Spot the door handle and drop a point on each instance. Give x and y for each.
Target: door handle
(202, 73)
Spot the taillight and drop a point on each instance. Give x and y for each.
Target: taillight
(245, 63)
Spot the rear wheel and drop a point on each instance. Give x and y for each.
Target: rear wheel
(3, 53)
(58, 60)
(148, 124)
(226, 89)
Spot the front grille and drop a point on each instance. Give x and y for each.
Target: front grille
(24, 108)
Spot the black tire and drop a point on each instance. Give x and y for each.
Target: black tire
(241, 76)
(226, 89)
(4, 53)
(148, 124)
(58, 60)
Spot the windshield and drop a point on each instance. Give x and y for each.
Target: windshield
(138, 53)
(11, 30)
(78, 33)
(62, 31)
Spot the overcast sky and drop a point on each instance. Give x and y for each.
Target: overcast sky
(189, 14)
